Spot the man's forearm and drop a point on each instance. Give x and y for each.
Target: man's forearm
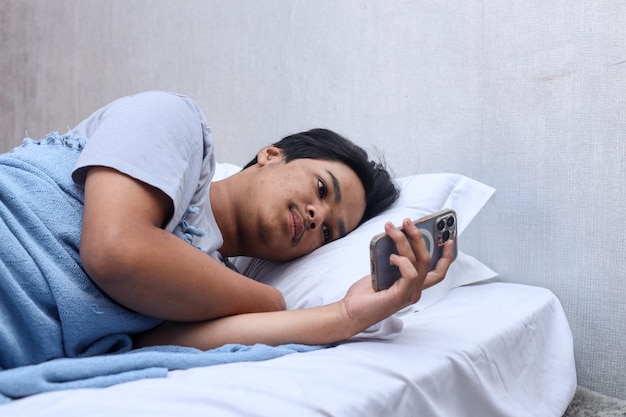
(319, 325)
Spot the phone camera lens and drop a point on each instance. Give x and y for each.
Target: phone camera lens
(441, 224)
(450, 221)
(445, 235)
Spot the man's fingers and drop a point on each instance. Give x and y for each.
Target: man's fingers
(406, 267)
(402, 244)
(417, 243)
(412, 246)
(409, 286)
(441, 269)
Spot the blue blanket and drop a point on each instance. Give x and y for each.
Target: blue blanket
(104, 371)
(51, 313)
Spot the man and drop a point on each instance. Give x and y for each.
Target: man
(137, 176)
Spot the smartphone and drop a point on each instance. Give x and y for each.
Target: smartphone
(437, 229)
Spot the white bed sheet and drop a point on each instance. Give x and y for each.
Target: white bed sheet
(491, 349)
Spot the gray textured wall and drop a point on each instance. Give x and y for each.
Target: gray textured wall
(527, 96)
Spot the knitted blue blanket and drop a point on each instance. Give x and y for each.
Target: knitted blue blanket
(57, 329)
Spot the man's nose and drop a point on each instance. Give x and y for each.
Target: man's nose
(311, 218)
(315, 216)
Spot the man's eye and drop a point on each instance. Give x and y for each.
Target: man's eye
(327, 236)
(322, 188)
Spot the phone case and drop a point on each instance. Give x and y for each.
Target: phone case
(436, 229)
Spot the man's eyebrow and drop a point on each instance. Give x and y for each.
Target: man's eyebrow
(336, 187)
(341, 225)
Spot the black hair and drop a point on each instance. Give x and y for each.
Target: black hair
(324, 144)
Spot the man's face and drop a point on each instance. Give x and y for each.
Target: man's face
(298, 206)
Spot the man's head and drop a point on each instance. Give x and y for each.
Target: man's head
(324, 144)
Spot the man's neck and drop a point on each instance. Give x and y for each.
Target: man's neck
(222, 204)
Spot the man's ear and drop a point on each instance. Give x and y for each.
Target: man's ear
(268, 154)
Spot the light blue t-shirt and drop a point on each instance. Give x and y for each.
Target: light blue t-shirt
(163, 140)
(50, 308)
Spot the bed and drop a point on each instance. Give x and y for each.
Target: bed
(472, 346)
(488, 349)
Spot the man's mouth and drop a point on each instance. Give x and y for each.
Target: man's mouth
(296, 223)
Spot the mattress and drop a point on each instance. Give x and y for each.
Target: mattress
(489, 349)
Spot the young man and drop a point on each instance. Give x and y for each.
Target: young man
(131, 186)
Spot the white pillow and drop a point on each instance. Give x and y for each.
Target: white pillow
(224, 170)
(325, 275)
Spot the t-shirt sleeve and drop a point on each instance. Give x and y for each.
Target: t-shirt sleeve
(158, 138)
